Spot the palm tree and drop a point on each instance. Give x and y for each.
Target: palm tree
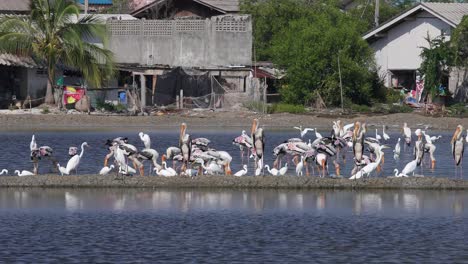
(53, 34)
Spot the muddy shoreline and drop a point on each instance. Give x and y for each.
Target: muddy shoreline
(213, 120)
(266, 182)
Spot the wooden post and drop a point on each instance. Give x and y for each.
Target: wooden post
(155, 77)
(177, 102)
(181, 98)
(143, 91)
(341, 84)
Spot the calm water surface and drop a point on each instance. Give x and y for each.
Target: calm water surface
(15, 149)
(221, 226)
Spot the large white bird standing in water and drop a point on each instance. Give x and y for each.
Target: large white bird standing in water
(377, 136)
(385, 135)
(397, 150)
(303, 131)
(371, 167)
(75, 160)
(458, 148)
(33, 144)
(145, 139)
(407, 134)
(23, 173)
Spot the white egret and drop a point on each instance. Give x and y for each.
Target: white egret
(300, 166)
(377, 136)
(242, 172)
(75, 160)
(397, 150)
(407, 134)
(303, 131)
(106, 169)
(371, 167)
(145, 139)
(384, 134)
(409, 168)
(283, 169)
(23, 173)
(272, 171)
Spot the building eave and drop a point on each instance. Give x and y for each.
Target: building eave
(415, 9)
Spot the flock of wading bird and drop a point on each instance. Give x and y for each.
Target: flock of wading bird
(196, 157)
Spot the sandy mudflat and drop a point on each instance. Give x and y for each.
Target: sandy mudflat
(212, 120)
(270, 182)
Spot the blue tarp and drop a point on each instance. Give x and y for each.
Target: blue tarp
(98, 2)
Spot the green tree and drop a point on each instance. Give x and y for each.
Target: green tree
(306, 38)
(54, 35)
(437, 59)
(460, 43)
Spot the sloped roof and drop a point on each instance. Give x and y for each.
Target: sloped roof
(450, 13)
(223, 6)
(14, 6)
(13, 60)
(453, 12)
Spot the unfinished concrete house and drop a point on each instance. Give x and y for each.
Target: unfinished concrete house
(198, 50)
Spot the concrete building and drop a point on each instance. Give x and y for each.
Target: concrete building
(206, 35)
(398, 43)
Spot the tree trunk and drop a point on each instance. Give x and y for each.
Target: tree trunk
(49, 98)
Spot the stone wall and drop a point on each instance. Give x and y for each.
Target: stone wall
(219, 41)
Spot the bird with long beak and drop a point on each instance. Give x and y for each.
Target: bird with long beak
(458, 147)
(185, 145)
(407, 134)
(358, 141)
(258, 142)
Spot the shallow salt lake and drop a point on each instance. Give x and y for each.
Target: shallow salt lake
(15, 149)
(232, 226)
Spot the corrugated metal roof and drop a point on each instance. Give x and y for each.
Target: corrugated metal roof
(13, 60)
(453, 12)
(14, 5)
(225, 5)
(105, 17)
(97, 2)
(450, 13)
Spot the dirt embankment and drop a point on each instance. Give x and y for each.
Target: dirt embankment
(267, 182)
(213, 120)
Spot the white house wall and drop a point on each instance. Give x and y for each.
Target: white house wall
(400, 47)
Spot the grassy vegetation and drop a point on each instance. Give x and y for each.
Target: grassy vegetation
(45, 110)
(458, 110)
(287, 108)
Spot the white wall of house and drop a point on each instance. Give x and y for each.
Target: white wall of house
(400, 47)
